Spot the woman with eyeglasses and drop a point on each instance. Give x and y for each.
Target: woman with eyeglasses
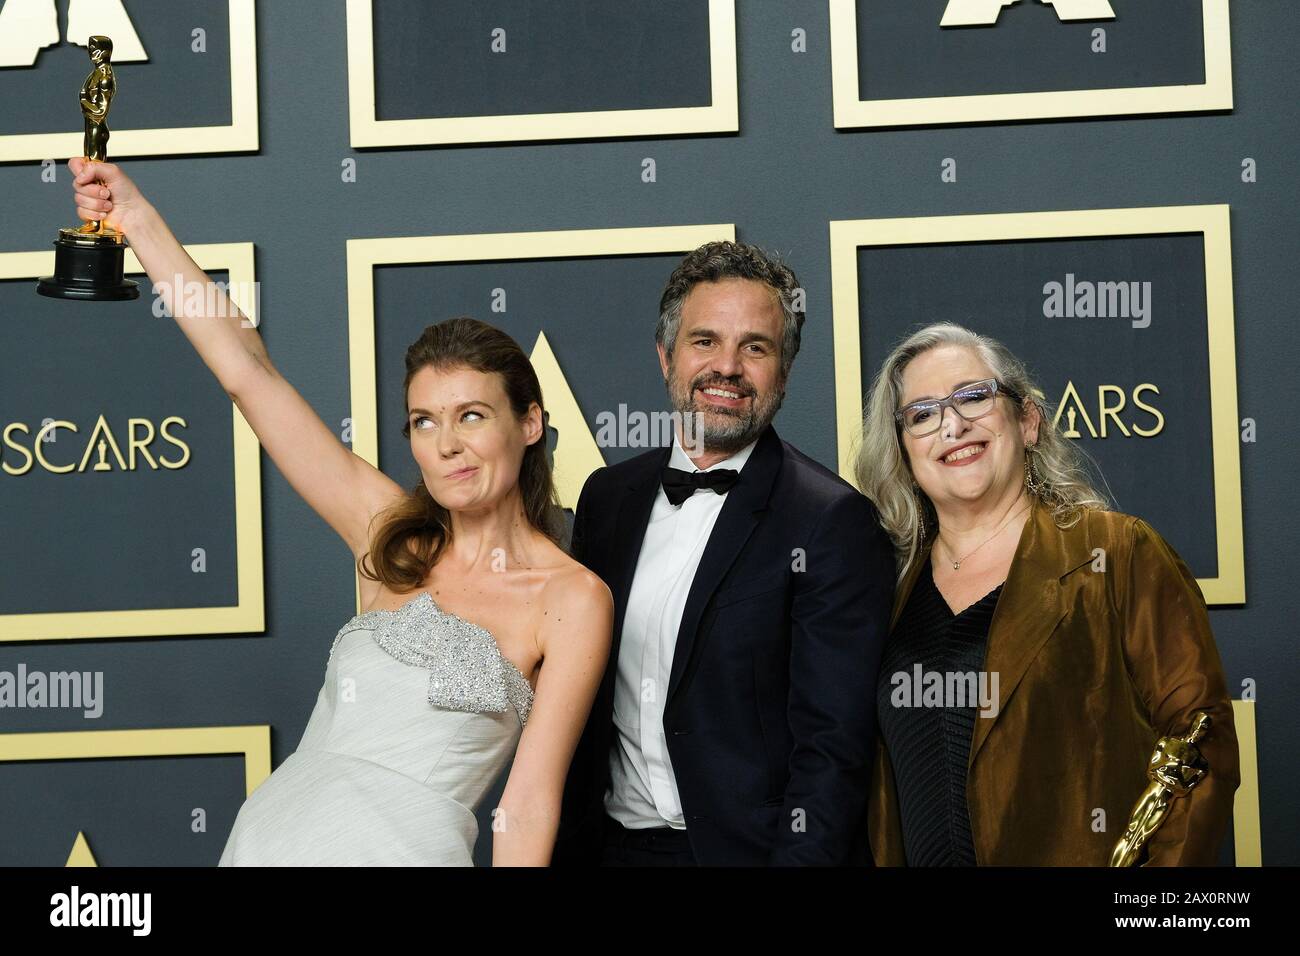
(1041, 643)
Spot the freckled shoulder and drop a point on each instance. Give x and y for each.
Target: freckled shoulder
(573, 595)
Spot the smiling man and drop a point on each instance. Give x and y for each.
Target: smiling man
(752, 591)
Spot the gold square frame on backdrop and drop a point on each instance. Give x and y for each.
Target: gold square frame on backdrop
(253, 742)
(852, 112)
(364, 255)
(248, 615)
(847, 236)
(239, 136)
(721, 116)
(1246, 837)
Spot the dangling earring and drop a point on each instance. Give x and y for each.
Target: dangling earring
(920, 512)
(1031, 483)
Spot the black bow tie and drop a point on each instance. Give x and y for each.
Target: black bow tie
(680, 485)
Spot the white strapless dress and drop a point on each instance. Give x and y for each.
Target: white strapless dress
(418, 716)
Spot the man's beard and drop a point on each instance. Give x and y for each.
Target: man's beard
(722, 429)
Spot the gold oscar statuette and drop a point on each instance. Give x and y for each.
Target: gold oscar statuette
(88, 258)
(1176, 767)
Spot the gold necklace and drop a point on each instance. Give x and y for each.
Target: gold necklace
(956, 565)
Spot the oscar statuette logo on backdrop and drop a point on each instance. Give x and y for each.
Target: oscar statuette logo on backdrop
(981, 13)
(28, 26)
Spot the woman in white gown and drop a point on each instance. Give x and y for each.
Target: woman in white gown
(481, 641)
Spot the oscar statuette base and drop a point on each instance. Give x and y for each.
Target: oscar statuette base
(88, 266)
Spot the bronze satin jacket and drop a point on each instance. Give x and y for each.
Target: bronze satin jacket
(1093, 667)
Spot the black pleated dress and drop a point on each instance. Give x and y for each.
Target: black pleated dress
(929, 746)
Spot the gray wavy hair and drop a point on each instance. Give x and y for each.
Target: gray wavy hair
(1060, 467)
(724, 259)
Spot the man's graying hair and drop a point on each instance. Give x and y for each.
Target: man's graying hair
(724, 259)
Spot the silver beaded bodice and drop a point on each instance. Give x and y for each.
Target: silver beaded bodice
(467, 671)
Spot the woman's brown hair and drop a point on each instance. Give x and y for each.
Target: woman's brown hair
(412, 533)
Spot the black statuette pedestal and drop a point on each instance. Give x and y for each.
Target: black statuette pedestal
(88, 266)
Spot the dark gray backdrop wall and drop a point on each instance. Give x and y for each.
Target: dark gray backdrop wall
(781, 180)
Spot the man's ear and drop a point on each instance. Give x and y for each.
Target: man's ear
(663, 359)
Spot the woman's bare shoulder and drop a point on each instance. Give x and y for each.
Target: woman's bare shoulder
(572, 577)
(571, 590)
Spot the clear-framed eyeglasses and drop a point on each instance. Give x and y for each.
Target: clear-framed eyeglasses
(970, 402)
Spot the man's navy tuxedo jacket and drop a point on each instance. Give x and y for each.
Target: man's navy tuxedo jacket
(770, 709)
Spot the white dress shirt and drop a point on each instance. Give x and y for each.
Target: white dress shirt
(642, 791)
